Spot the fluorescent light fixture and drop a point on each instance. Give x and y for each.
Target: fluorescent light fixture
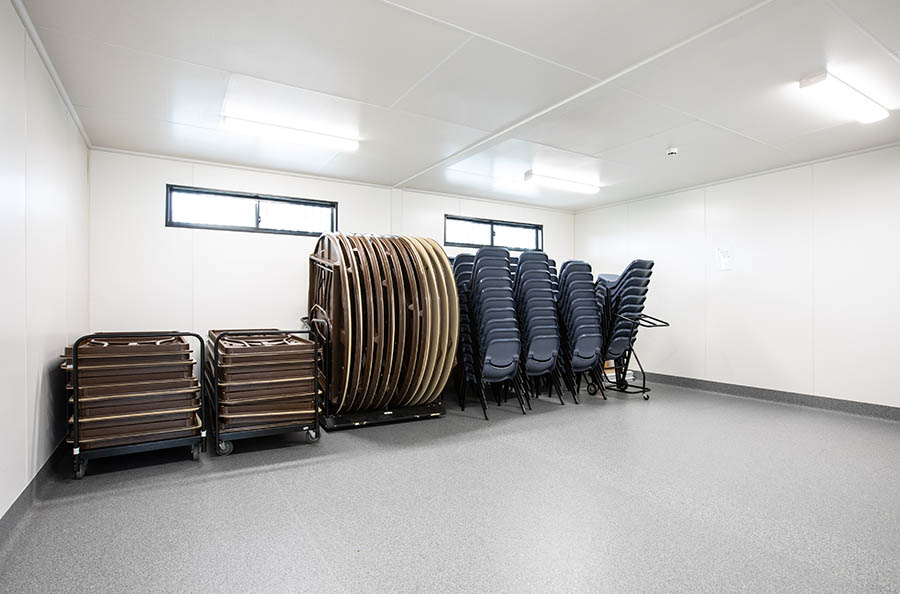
(841, 97)
(291, 135)
(565, 185)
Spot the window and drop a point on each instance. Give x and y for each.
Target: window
(200, 208)
(469, 232)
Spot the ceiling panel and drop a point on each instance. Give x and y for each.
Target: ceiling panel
(598, 37)
(847, 138)
(881, 18)
(498, 172)
(705, 153)
(353, 48)
(154, 77)
(601, 120)
(396, 145)
(392, 146)
(160, 137)
(127, 82)
(488, 86)
(745, 75)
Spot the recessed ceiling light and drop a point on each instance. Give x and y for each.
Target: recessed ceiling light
(555, 183)
(842, 98)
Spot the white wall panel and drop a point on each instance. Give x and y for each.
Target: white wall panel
(47, 208)
(203, 279)
(601, 238)
(423, 214)
(43, 238)
(141, 270)
(759, 314)
(12, 263)
(857, 284)
(670, 231)
(807, 305)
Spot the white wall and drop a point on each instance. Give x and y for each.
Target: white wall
(145, 275)
(810, 304)
(44, 267)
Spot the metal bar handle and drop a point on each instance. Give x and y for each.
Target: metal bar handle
(644, 320)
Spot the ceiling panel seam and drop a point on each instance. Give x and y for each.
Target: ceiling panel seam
(705, 121)
(868, 34)
(430, 72)
(508, 129)
(486, 38)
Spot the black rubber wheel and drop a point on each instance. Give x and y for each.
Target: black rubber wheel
(80, 469)
(312, 436)
(223, 448)
(195, 452)
(646, 396)
(592, 389)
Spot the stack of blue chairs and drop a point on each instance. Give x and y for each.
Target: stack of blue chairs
(495, 328)
(582, 343)
(554, 278)
(538, 322)
(621, 302)
(463, 266)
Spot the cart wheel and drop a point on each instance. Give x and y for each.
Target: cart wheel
(646, 396)
(80, 468)
(223, 448)
(312, 436)
(195, 452)
(592, 389)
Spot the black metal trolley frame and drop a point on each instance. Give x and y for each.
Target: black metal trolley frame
(223, 440)
(331, 420)
(197, 443)
(621, 383)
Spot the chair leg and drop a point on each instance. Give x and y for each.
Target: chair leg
(483, 401)
(555, 381)
(524, 387)
(519, 396)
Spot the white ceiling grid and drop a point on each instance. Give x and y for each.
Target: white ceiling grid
(463, 97)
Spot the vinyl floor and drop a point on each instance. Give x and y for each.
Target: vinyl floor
(691, 492)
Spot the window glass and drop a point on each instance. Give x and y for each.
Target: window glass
(287, 216)
(515, 237)
(211, 209)
(468, 232)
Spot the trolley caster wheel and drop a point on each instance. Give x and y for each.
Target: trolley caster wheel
(592, 389)
(312, 436)
(195, 452)
(223, 448)
(80, 468)
(646, 396)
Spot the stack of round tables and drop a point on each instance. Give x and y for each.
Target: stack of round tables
(391, 308)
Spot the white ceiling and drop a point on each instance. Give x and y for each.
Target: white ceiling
(463, 97)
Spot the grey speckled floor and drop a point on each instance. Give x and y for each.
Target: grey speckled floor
(691, 492)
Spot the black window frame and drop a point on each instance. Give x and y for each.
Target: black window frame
(538, 233)
(170, 188)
